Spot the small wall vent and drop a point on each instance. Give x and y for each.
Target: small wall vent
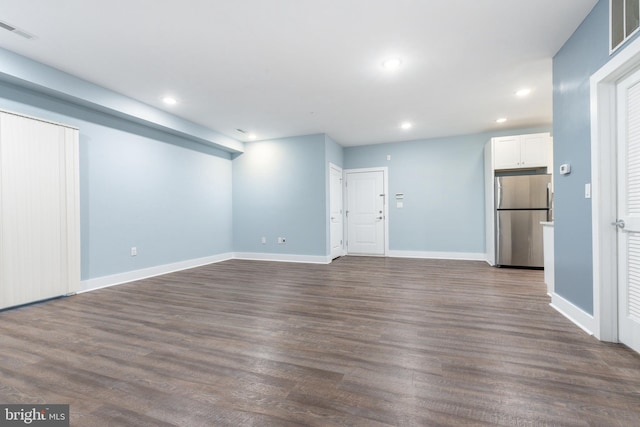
(16, 31)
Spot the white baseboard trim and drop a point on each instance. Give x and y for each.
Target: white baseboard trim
(466, 256)
(581, 318)
(259, 256)
(145, 273)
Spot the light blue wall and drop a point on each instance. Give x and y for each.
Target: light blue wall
(584, 53)
(169, 197)
(279, 190)
(334, 152)
(443, 184)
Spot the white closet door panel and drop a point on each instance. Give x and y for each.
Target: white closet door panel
(629, 211)
(633, 277)
(34, 224)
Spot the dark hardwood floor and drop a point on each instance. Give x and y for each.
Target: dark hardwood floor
(360, 342)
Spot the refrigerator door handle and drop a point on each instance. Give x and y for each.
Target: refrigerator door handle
(497, 240)
(498, 193)
(548, 202)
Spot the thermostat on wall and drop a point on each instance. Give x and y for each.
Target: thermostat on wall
(565, 169)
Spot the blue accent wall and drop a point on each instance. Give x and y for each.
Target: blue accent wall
(279, 190)
(442, 180)
(167, 196)
(586, 51)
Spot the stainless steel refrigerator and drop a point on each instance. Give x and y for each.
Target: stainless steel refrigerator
(522, 202)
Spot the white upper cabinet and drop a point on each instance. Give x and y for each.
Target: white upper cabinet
(521, 151)
(506, 152)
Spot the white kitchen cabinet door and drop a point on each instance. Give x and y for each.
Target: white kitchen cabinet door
(534, 151)
(506, 152)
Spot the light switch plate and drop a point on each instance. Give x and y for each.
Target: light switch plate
(587, 191)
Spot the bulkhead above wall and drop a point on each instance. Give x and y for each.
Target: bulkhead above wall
(26, 73)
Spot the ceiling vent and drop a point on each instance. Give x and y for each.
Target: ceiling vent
(16, 31)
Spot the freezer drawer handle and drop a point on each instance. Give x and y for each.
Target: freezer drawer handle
(619, 223)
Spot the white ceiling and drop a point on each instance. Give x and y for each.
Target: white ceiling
(291, 67)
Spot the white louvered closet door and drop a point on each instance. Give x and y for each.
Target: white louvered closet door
(629, 211)
(39, 237)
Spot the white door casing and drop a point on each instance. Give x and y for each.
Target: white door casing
(336, 229)
(604, 133)
(628, 207)
(366, 212)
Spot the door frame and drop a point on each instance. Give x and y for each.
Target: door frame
(385, 179)
(604, 122)
(342, 185)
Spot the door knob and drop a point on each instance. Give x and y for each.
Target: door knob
(619, 223)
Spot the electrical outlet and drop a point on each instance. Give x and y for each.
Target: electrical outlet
(282, 240)
(134, 251)
(263, 240)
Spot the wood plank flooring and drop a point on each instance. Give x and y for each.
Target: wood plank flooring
(360, 342)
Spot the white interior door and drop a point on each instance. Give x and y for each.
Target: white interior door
(39, 215)
(335, 211)
(366, 213)
(629, 211)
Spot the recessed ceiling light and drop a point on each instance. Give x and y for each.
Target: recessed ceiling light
(169, 100)
(523, 92)
(391, 64)
(501, 120)
(249, 135)
(406, 125)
